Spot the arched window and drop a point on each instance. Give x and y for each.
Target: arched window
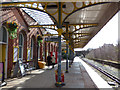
(39, 40)
(4, 48)
(32, 45)
(3, 35)
(21, 40)
(38, 51)
(51, 48)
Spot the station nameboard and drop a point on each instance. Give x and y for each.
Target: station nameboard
(52, 39)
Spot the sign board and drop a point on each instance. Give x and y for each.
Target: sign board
(1, 71)
(28, 55)
(52, 39)
(15, 70)
(15, 55)
(21, 66)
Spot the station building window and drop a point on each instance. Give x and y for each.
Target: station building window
(3, 44)
(32, 45)
(21, 40)
(39, 52)
(4, 48)
(39, 40)
(3, 35)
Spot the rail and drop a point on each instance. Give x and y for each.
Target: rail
(117, 80)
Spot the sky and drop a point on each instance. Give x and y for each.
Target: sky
(107, 35)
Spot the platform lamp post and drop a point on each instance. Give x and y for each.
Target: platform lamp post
(70, 51)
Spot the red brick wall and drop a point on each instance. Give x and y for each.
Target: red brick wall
(20, 17)
(10, 56)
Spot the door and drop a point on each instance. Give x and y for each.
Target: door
(4, 55)
(3, 48)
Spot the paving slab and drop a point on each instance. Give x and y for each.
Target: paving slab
(45, 78)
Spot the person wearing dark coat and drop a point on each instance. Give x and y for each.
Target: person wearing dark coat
(53, 61)
(49, 58)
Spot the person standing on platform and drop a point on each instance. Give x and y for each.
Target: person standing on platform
(49, 58)
(53, 61)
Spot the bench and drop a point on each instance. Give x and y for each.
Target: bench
(41, 64)
(28, 67)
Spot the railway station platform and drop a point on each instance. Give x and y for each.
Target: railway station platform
(78, 77)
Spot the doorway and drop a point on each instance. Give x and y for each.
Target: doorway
(4, 48)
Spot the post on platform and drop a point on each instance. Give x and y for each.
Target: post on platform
(70, 58)
(66, 48)
(59, 83)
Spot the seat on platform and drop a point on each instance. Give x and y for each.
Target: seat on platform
(41, 64)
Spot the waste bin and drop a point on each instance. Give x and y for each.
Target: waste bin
(41, 64)
(56, 76)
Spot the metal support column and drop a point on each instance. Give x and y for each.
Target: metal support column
(67, 48)
(59, 83)
(70, 58)
(72, 53)
(59, 59)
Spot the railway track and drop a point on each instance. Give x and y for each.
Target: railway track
(117, 80)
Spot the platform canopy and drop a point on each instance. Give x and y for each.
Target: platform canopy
(83, 19)
(86, 22)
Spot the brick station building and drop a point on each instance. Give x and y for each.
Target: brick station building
(25, 46)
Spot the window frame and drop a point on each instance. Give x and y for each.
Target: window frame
(3, 35)
(32, 48)
(21, 46)
(38, 52)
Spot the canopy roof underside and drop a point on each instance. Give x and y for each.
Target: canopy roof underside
(83, 23)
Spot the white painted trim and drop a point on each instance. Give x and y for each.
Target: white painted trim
(99, 81)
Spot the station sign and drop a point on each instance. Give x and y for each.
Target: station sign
(52, 39)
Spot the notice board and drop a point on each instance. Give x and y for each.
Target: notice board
(21, 66)
(28, 55)
(1, 71)
(15, 54)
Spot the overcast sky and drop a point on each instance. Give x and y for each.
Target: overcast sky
(107, 35)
